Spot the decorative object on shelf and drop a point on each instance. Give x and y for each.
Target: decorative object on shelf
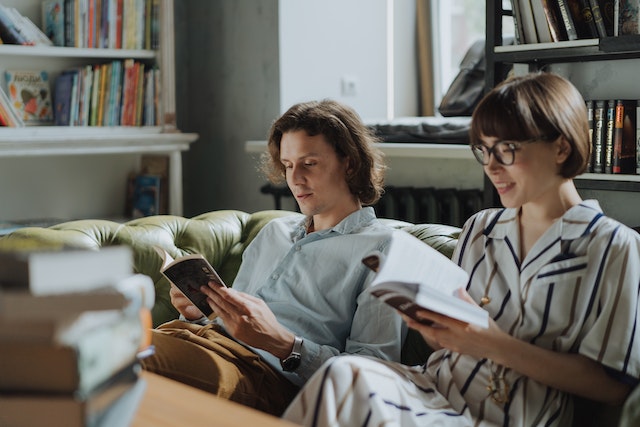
(30, 94)
(146, 195)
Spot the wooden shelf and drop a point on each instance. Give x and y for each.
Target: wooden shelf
(58, 140)
(72, 52)
(400, 149)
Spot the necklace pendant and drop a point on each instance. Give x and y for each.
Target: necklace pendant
(498, 389)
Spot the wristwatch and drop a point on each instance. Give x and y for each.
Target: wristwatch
(292, 361)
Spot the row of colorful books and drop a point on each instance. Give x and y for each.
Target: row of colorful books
(118, 93)
(614, 133)
(545, 21)
(73, 327)
(113, 24)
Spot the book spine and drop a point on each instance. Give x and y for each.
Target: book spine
(583, 19)
(68, 368)
(589, 103)
(637, 137)
(598, 135)
(558, 33)
(567, 20)
(607, 9)
(625, 140)
(609, 136)
(517, 22)
(542, 26)
(528, 23)
(597, 18)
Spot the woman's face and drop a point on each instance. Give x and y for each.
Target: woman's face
(534, 175)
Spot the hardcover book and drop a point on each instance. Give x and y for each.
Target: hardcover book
(121, 393)
(413, 275)
(55, 272)
(188, 273)
(599, 135)
(627, 17)
(624, 145)
(30, 95)
(608, 140)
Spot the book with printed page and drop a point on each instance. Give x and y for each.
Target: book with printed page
(413, 275)
(188, 273)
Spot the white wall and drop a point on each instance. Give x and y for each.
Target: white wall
(325, 44)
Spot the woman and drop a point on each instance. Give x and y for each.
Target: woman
(558, 278)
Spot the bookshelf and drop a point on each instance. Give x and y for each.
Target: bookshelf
(574, 59)
(87, 144)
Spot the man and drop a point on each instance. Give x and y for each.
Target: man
(299, 296)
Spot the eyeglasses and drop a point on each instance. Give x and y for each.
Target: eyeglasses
(503, 151)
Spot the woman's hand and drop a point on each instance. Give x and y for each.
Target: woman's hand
(440, 331)
(249, 320)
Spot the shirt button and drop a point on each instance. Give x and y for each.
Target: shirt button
(298, 248)
(274, 277)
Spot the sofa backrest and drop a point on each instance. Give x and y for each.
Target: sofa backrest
(221, 236)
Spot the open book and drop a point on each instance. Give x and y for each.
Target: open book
(413, 274)
(188, 273)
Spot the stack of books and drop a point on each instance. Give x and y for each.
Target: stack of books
(73, 327)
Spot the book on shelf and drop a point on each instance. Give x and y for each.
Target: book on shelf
(53, 21)
(30, 95)
(528, 22)
(10, 33)
(542, 26)
(599, 135)
(9, 114)
(638, 138)
(158, 164)
(146, 195)
(63, 97)
(188, 273)
(113, 403)
(626, 17)
(31, 32)
(583, 19)
(554, 20)
(598, 17)
(517, 22)
(607, 8)
(589, 104)
(414, 275)
(624, 146)
(51, 272)
(567, 19)
(607, 153)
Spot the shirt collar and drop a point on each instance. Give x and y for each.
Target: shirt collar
(354, 221)
(578, 221)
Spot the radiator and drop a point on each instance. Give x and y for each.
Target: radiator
(412, 204)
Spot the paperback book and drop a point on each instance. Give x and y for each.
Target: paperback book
(413, 275)
(189, 273)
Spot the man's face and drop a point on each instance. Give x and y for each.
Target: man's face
(317, 178)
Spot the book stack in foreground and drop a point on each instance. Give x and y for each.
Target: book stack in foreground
(73, 326)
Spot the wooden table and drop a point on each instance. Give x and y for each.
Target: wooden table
(172, 404)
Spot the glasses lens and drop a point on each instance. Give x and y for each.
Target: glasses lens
(503, 151)
(480, 152)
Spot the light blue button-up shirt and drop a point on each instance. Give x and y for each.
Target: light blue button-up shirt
(314, 284)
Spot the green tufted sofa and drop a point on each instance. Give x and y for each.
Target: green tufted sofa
(222, 236)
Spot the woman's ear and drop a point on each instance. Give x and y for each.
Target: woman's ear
(564, 150)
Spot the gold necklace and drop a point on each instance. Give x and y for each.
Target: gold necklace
(498, 386)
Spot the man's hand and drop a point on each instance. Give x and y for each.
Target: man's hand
(183, 304)
(249, 320)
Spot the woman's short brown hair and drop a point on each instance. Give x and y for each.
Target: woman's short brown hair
(343, 129)
(538, 105)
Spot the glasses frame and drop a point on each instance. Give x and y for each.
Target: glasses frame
(479, 149)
